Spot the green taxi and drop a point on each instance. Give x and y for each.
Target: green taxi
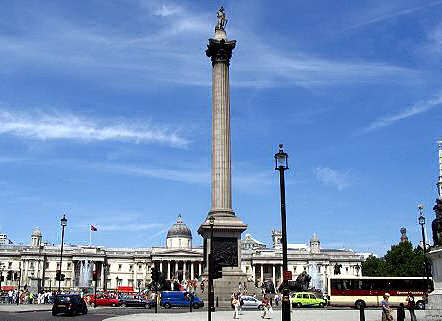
(307, 299)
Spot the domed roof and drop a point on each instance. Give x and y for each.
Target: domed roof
(36, 232)
(179, 229)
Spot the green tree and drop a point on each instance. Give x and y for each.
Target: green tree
(373, 266)
(400, 260)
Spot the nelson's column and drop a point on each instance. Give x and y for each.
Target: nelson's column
(227, 227)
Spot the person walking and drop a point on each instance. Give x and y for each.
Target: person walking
(266, 305)
(411, 305)
(235, 303)
(387, 312)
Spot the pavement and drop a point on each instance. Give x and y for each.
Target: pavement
(297, 315)
(25, 307)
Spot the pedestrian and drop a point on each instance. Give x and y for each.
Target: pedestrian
(411, 305)
(202, 286)
(401, 312)
(235, 303)
(387, 313)
(266, 305)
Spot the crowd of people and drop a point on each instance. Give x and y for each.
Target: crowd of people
(387, 311)
(28, 297)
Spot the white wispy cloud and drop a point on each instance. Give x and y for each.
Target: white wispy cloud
(167, 10)
(163, 55)
(43, 126)
(394, 14)
(332, 177)
(414, 110)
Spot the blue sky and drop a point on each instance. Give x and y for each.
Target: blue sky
(105, 115)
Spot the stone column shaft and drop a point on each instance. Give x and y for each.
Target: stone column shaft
(168, 270)
(221, 150)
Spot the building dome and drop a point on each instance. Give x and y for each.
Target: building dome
(36, 232)
(179, 235)
(179, 229)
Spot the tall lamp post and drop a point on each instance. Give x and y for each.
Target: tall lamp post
(421, 220)
(64, 222)
(210, 265)
(2, 269)
(281, 165)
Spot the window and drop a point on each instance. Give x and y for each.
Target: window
(346, 269)
(312, 296)
(119, 267)
(31, 266)
(305, 296)
(47, 265)
(69, 266)
(9, 265)
(130, 268)
(140, 267)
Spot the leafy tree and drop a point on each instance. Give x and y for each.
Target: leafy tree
(400, 260)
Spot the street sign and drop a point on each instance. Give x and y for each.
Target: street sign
(287, 275)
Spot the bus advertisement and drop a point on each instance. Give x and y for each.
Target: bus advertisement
(368, 291)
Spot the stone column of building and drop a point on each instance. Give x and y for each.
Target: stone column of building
(199, 268)
(184, 269)
(168, 270)
(262, 272)
(161, 266)
(192, 270)
(102, 280)
(280, 274)
(176, 268)
(274, 274)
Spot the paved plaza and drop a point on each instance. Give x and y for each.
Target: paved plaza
(299, 315)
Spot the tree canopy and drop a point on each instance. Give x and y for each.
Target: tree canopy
(400, 260)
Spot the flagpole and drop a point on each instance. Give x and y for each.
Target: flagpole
(90, 235)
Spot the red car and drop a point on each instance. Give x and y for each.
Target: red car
(104, 299)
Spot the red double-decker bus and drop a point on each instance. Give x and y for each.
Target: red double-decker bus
(368, 291)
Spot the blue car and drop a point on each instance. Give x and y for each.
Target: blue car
(171, 299)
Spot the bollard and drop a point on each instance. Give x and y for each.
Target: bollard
(217, 301)
(361, 312)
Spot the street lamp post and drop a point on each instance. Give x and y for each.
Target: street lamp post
(2, 269)
(421, 220)
(64, 222)
(210, 272)
(281, 165)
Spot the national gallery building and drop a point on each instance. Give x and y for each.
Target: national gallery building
(35, 265)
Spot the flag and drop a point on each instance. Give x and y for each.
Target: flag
(93, 228)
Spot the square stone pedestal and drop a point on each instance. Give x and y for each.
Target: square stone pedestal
(434, 307)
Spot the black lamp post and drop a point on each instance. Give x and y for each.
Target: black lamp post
(421, 220)
(210, 272)
(281, 165)
(64, 222)
(2, 269)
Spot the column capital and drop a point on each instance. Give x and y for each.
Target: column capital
(220, 50)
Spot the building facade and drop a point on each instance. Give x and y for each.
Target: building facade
(35, 265)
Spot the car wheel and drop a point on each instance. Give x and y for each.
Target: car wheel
(359, 304)
(85, 311)
(113, 304)
(299, 305)
(321, 305)
(196, 306)
(260, 307)
(167, 305)
(123, 305)
(54, 312)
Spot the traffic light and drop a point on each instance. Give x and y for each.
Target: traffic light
(95, 276)
(154, 274)
(215, 267)
(59, 276)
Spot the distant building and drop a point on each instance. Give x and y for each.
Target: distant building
(4, 240)
(130, 267)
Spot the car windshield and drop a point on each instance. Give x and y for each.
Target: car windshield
(66, 299)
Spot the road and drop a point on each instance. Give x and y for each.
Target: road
(93, 314)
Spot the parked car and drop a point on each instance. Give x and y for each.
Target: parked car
(171, 299)
(69, 304)
(307, 299)
(104, 300)
(249, 302)
(136, 301)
